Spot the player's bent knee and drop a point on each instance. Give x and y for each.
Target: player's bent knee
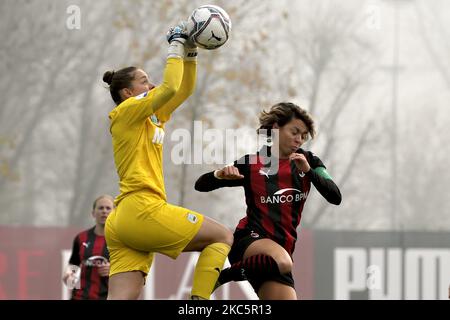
(284, 265)
(224, 236)
(228, 237)
(125, 286)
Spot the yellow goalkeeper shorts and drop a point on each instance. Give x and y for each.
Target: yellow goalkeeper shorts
(142, 225)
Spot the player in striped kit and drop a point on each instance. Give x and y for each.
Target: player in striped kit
(264, 240)
(90, 257)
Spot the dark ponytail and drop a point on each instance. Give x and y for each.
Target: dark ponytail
(118, 80)
(108, 76)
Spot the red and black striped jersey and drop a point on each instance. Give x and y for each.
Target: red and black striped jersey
(88, 252)
(274, 199)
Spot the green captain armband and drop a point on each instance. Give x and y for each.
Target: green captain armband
(321, 171)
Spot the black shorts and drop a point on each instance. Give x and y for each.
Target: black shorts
(242, 239)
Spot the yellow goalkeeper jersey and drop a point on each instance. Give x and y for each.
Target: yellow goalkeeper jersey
(137, 129)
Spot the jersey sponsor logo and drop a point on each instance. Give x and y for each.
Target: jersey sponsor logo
(141, 96)
(95, 261)
(158, 137)
(192, 218)
(294, 195)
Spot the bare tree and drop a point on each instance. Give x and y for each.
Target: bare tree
(55, 147)
(334, 62)
(59, 71)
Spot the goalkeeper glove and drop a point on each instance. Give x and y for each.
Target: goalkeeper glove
(191, 50)
(177, 36)
(180, 35)
(190, 46)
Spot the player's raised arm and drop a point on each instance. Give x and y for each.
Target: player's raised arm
(188, 82)
(173, 73)
(325, 185)
(229, 176)
(319, 176)
(136, 98)
(209, 28)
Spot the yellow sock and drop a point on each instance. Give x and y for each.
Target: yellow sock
(208, 268)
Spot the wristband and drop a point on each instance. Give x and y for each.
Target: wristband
(176, 50)
(216, 175)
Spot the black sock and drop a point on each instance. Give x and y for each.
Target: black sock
(253, 266)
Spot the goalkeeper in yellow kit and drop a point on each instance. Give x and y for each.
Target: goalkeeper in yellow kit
(143, 222)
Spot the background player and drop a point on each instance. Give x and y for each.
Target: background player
(144, 222)
(90, 254)
(264, 240)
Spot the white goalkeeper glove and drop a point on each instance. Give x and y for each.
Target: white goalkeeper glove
(190, 46)
(181, 45)
(177, 36)
(191, 50)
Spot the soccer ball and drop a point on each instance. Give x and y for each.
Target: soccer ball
(210, 26)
